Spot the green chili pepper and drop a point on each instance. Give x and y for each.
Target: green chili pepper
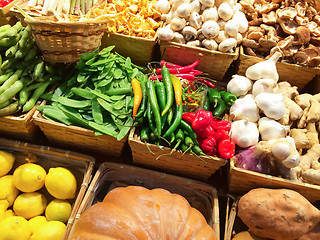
(180, 139)
(144, 101)
(206, 104)
(162, 98)
(169, 88)
(170, 116)
(149, 116)
(177, 120)
(229, 98)
(172, 137)
(214, 96)
(144, 135)
(151, 92)
(219, 110)
(186, 127)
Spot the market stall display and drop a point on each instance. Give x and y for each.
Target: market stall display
(255, 216)
(111, 176)
(40, 185)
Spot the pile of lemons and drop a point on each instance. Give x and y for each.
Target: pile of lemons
(25, 213)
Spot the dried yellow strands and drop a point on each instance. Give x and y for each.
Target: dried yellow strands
(134, 17)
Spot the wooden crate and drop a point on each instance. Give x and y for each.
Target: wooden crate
(21, 127)
(78, 137)
(140, 50)
(110, 175)
(214, 63)
(188, 164)
(80, 165)
(241, 181)
(294, 74)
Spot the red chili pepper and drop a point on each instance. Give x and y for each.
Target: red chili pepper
(187, 76)
(206, 82)
(185, 69)
(224, 125)
(220, 135)
(169, 64)
(189, 117)
(210, 131)
(226, 148)
(196, 72)
(209, 146)
(202, 120)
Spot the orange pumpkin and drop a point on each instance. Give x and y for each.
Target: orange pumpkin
(137, 213)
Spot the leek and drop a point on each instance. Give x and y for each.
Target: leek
(72, 6)
(32, 3)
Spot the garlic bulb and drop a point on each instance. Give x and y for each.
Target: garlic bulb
(272, 104)
(225, 11)
(245, 108)
(264, 69)
(239, 85)
(266, 85)
(244, 133)
(270, 129)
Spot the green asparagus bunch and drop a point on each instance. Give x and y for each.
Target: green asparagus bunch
(24, 76)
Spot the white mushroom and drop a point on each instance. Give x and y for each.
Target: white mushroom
(195, 43)
(221, 37)
(210, 44)
(184, 10)
(179, 38)
(210, 14)
(239, 38)
(231, 28)
(227, 45)
(221, 24)
(196, 6)
(225, 11)
(176, 3)
(237, 7)
(177, 23)
(195, 20)
(242, 21)
(189, 33)
(163, 6)
(207, 3)
(210, 29)
(167, 17)
(165, 34)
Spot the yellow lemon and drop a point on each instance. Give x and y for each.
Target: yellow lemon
(58, 210)
(52, 230)
(61, 183)
(14, 228)
(29, 177)
(36, 223)
(29, 205)
(9, 213)
(6, 162)
(8, 191)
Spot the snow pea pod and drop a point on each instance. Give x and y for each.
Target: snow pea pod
(74, 103)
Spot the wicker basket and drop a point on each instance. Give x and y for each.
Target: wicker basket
(21, 127)
(214, 63)
(110, 175)
(241, 181)
(189, 164)
(80, 165)
(295, 74)
(79, 138)
(64, 42)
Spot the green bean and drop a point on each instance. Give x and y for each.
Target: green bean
(35, 96)
(5, 104)
(4, 28)
(34, 86)
(6, 64)
(25, 36)
(31, 54)
(11, 51)
(10, 92)
(8, 42)
(9, 110)
(11, 80)
(38, 70)
(5, 77)
(13, 31)
(23, 96)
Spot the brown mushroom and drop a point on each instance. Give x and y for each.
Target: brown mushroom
(316, 19)
(269, 18)
(289, 26)
(287, 12)
(250, 52)
(268, 7)
(310, 52)
(314, 62)
(256, 22)
(301, 9)
(311, 12)
(250, 43)
(286, 43)
(275, 49)
(256, 29)
(300, 57)
(277, 1)
(272, 34)
(315, 41)
(314, 28)
(302, 35)
(302, 21)
(267, 43)
(255, 35)
(267, 27)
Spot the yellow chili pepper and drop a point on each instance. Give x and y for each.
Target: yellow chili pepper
(137, 96)
(177, 89)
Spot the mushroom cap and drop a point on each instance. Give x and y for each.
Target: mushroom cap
(289, 26)
(287, 12)
(210, 29)
(303, 35)
(300, 57)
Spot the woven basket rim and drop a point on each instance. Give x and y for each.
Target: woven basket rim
(43, 21)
